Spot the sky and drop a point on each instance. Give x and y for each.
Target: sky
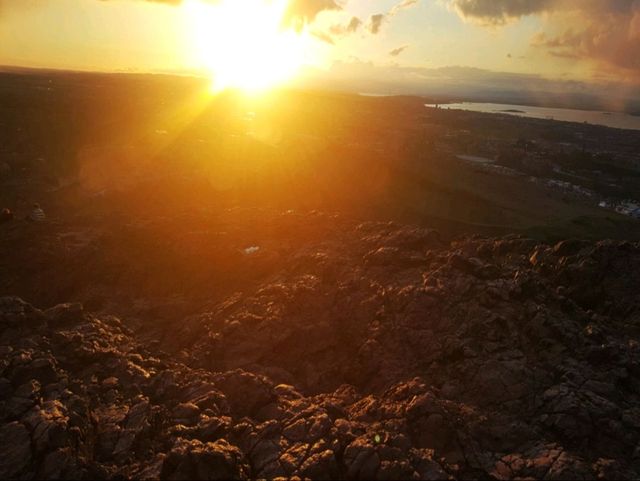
(595, 42)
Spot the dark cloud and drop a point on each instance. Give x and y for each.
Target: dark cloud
(498, 11)
(612, 39)
(354, 25)
(606, 32)
(343, 29)
(397, 51)
(376, 22)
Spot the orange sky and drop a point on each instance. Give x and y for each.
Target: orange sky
(562, 39)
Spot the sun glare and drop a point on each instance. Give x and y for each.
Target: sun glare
(244, 43)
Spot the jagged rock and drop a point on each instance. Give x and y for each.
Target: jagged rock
(296, 431)
(64, 314)
(404, 358)
(196, 460)
(48, 424)
(15, 450)
(41, 369)
(264, 457)
(361, 460)
(61, 464)
(15, 313)
(136, 422)
(246, 392)
(320, 466)
(186, 413)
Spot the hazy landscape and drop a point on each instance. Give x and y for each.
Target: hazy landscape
(307, 239)
(349, 272)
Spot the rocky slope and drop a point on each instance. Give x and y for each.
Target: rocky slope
(378, 352)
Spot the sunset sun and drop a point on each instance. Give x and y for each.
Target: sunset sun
(245, 44)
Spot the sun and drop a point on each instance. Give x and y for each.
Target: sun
(245, 44)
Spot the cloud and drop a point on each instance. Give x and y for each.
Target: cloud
(298, 11)
(352, 27)
(325, 37)
(308, 10)
(375, 23)
(397, 51)
(613, 40)
(607, 35)
(402, 5)
(603, 32)
(498, 12)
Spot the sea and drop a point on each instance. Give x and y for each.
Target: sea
(618, 120)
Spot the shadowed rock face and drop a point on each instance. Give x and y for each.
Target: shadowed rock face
(381, 352)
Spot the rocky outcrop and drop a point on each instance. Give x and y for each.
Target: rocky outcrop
(391, 354)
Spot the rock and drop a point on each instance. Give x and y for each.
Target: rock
(186, 413)
(320, 466)
(361, 460)
(15, 450)
(569, 247)
(41, 369)
(135, 424)
(196, 460)
(293, 457)
(61, 464)
(296, 431)
(64, 315)
(16, 407)
(246, 392)
(427, 468)
(110, 382)
(394, 257)
(320, 425)
(286, 391)
(6, 389)
(264, 453)
(16, 313)
(403, 358)
(213, 428)
(49, 427)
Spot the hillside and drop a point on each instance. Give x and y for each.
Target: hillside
(337, 350)
(311, 285)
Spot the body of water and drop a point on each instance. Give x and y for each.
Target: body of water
(616, 120)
